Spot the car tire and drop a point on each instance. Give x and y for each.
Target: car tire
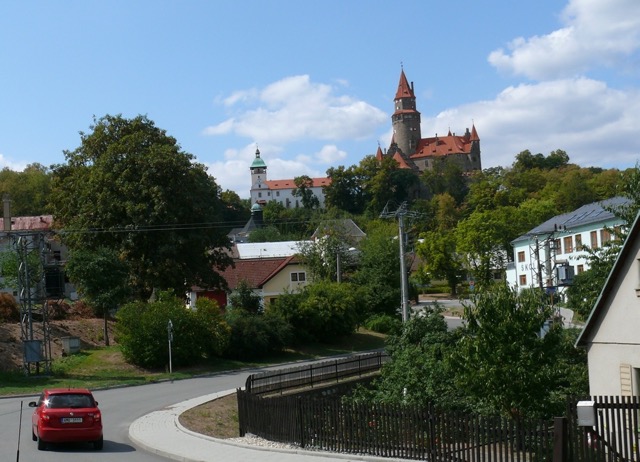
(98, 444)
(41, 445)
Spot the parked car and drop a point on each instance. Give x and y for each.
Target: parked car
(64, 415)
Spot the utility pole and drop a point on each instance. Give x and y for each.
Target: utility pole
(400, 213)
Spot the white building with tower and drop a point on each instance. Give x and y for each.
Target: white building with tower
(551, 254)
(281, 191)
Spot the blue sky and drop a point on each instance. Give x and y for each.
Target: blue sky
(312, 83)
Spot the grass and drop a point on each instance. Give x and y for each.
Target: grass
(105, 367)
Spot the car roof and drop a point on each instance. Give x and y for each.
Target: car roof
(57, 391)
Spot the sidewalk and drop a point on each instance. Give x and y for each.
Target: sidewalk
(161, 433)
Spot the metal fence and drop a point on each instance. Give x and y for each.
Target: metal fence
(314, 374)
(390, 430)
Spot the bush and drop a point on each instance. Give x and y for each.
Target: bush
(142, 333)
(255, 336)
(384, 324)
(323, 311)
(9, 309)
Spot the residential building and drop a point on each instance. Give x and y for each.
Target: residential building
(269, 268)
(611, 334)
(551, 254)
(264, 190)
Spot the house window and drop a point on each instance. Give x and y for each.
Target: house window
(605, 236)
(298, 277)
(557, 245)
(268, 193)
(580, 269)
(578, 242)
(277, 193)
(259, 194)
(520, 257)
(523, 279)
(594, 239)
(568, 244)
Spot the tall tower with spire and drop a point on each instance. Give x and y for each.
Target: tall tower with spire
(406, 118)
(258, 171)
(412, 151)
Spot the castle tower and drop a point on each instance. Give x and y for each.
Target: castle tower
(406, 119)
(258, 172)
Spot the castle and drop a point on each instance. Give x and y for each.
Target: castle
(407, 147)
(412, 151)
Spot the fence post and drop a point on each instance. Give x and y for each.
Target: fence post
(300, 416)
(560, 439)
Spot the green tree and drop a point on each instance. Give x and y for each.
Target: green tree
(441, 259)
(378, 272)
(446, 176)
(419, 372)
(345, 191)
(304, 191)
(130, 188)
(323, 311)
(505, 364)
(28, 190)
(246, 299)
(101, 278)
(484, 239)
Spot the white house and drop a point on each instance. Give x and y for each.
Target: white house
(549, 255)
(612, 332)
(281, 191)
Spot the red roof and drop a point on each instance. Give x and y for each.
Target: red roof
(290, 184)
(445, 145)
(42, 222)
(404, 90)
(256, 271)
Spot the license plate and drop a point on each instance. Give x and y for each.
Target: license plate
(72, 420)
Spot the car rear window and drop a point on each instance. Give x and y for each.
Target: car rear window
(70, 400)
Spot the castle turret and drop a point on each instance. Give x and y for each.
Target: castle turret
(406, 119)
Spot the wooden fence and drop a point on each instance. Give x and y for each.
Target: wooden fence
(614, 438)
(398, 431)
(313, 374)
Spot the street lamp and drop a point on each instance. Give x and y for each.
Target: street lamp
(170, 335)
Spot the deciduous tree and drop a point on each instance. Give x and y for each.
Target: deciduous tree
(129, 187)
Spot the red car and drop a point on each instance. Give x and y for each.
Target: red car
(64, 415)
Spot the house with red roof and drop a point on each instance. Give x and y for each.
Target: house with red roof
(269, 268)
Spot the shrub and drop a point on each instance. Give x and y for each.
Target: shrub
(384, 324)
(142, 332)
(255, 336)
(9, 309)
(323, 311)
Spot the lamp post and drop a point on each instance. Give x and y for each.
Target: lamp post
(170, 335)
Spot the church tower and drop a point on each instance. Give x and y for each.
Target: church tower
(259, 187)
(406, 119)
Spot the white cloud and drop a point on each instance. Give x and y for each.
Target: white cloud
(295, 108)
(12, 165)
(330, 154)
(582, 116)
(597, 33)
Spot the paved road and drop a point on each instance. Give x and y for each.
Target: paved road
(120, 408)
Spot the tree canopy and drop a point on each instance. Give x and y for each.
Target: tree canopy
(129, 187)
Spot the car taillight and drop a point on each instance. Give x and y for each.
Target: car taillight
(46, 417)
(97, 417)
